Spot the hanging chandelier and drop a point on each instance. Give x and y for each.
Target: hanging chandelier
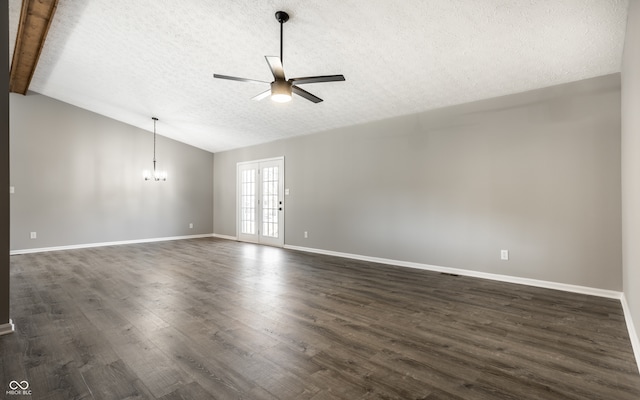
(156, 174)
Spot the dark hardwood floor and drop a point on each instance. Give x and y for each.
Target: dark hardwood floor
(216, 319)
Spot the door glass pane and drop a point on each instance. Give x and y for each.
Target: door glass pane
(270, 202)
(248, 201)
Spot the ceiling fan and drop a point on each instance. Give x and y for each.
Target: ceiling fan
(281, 88)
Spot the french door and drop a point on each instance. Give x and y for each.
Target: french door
(260, 201)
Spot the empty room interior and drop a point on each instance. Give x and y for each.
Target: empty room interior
(320, 200)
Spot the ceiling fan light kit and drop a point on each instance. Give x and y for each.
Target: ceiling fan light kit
(282, 89)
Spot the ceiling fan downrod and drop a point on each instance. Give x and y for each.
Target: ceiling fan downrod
(281, 17)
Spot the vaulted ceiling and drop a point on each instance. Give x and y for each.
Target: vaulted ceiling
(130, 60)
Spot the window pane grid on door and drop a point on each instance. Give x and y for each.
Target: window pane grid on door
(248, 202)
(270, 197)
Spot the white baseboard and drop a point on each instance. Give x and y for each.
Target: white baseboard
(88, 245)
(633, 334)
(224, 237)
(612, 294)
(7, 328)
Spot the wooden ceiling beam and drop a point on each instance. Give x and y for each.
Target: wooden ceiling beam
(35, 20)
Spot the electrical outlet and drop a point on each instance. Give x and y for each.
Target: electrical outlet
(191, 225)
(306, 234)
(33, 235)
(504, 254)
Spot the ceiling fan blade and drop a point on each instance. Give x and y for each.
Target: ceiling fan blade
(276, 67)
(305, 94)
(317, 79)
(233, 78)
(262, 95)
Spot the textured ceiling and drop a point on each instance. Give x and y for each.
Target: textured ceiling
(130, 60)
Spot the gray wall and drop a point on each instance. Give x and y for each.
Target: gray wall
(631, 163)
(78, 179)
(537, 173)
(4, 163)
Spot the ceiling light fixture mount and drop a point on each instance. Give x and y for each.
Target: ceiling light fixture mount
(156, 175)
(281, 89)
(282, 16)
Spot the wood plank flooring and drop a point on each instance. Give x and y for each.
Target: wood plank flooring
(217, 319)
